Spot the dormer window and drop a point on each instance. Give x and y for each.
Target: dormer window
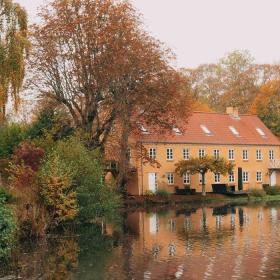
(177, 130)
(143, 129)
(234, 131)
(260, 132)
(205, 130)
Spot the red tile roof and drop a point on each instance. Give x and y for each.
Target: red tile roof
(218, 124)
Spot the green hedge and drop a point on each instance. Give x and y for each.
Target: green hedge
(272, 190)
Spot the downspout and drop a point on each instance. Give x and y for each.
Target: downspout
(142, 178)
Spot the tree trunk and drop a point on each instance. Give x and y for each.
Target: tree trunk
(203, 184)
(123, 167)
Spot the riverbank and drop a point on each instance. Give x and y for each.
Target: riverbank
(132, 202)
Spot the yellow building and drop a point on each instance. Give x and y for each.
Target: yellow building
(242, 139)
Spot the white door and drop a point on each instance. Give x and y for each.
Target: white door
(152, 182)
(273, 179)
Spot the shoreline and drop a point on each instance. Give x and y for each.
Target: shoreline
(144, 202)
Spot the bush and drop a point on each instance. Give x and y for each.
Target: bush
(57, 190)
(50, 121)
(29, 155)
(5, 196)
(95, 198)
(163, 193)
(4, 170)
(7, 231)
(257, 193)
(21, 177)
(149, 193)
(10, 137)
(272, 190)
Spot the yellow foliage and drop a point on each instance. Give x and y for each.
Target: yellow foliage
(200, 106)
(59, 196)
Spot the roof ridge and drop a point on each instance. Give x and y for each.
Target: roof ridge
(217, 113)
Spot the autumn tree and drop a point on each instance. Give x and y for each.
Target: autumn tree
(13, 49)
(267, 105)
(204, 165)
(233, 81)
(205, 85)
(94, 57)
(238, 80)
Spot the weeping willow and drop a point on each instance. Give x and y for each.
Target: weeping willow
(14, 47)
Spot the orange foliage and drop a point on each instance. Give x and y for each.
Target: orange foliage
(267, 91)
(201, 106)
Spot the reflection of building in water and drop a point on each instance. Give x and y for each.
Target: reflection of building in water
(231, 244)
(172, 225)
(154, 224)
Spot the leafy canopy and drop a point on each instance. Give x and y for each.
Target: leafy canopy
(204, 165)
(14, 46)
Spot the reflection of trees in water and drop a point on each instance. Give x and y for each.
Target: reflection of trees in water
(59, 257)
(54, 258)
(95, 253)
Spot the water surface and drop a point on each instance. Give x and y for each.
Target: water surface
(222, 242)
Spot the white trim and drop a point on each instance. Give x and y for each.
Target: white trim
(152, 153)
(245, 176)
(259, 179)
(231, 155)
(186, 178)
(169, 154)
(170, 178)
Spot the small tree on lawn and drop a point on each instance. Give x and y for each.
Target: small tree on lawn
(202, 166)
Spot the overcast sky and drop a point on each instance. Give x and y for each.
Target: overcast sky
(201, 31)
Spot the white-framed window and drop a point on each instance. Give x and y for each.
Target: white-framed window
(216, 153)
(259, 176)
(271, 154)
(201, 153)
(231, 154)
(245, 176)
(245, 154)
(186, 154)
(169, 154)
(156, 181)
(259, 154)
(170, 178)
(217, 178)
(186, 179)
(231, 178)
(200, 179)
(152, 153)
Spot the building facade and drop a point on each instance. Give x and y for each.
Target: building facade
(242, 139)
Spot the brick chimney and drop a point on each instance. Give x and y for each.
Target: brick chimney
(233, 112)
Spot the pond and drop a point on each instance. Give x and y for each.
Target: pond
(221, 242)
